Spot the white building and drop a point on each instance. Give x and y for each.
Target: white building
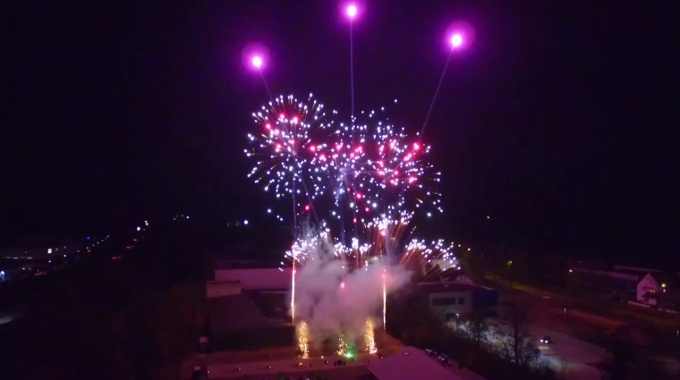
(647, 290)
(454, 294)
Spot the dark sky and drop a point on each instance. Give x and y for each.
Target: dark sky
(556, 122)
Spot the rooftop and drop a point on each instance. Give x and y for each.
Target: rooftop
(412, 363)
(441, 287)
(247, 264)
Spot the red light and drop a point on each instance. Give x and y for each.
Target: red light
(282, 116)
(322, 157)
(312, 148)
(113, 258)
(358, 195)
(416, 146)
(89, 251)
(129, 247)
(306, 207)
(268, 126)
(135, 240)
(367, 209)
(355, 220)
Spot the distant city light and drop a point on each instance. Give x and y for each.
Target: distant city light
(49, 251)
(139, 229)
(245, 222)
(187, 217)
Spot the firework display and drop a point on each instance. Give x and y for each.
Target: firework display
(368, 172)
(357, 172)
(376, 168)
(285, 149)
(355, 183)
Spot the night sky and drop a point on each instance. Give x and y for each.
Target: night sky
(556, 122)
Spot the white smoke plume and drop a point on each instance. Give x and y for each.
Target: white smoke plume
(335, 299)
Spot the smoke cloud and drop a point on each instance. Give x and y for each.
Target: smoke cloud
(334, 298)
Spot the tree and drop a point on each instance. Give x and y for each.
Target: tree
(514, 336)
(478, 323)
(620, 356)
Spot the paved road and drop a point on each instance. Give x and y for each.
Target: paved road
(571, 357)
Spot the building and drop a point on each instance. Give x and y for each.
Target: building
(253, 274)
(453, 294)
(247, 304)
(647, 290)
